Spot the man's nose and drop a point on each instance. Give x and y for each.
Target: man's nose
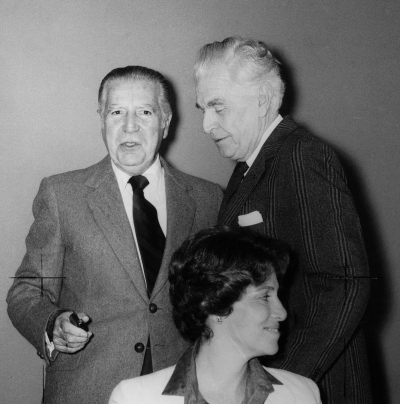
(209, 122)
(130, 123)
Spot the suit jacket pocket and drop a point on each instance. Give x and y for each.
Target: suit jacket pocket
(259, 227)
(65, 361)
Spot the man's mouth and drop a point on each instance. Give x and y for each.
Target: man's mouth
(220, 139)
(130, 145)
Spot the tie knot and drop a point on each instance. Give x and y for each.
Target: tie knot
(138, 182)
(241, 168)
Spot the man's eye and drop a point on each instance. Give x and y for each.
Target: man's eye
(145, 112)
(266, 297)
(115, 112)
(219, 110)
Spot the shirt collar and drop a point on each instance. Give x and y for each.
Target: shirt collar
(264, 137)
(183, 381)
(259, 383)
(154, 174)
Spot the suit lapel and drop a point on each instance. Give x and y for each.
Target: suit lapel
(244, 190)
(181, 209)
(230, 210)
(109, 213)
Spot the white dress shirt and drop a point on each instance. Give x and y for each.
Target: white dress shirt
(264, 137)
(154, 193)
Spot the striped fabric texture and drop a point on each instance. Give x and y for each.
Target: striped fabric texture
(298, 185)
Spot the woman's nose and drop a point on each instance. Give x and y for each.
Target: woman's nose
(280, 312)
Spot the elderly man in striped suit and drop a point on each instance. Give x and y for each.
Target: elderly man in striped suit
(290, 185)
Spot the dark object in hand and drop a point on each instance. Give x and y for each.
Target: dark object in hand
(77, 322)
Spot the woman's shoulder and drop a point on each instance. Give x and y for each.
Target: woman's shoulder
(286, 375)
(304, 389)
(143, 389)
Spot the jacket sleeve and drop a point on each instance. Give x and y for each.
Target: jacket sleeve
(34, 293)
(330, 287)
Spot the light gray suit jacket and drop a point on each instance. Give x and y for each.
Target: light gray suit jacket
(82, 251)
(295, 389)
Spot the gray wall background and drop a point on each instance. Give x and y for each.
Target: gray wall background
(343, 59)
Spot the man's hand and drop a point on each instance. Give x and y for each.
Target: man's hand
(68, 338)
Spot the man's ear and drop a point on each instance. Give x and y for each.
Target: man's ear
(100, 112)
(265, 96)
(167, 122)
(100, 109)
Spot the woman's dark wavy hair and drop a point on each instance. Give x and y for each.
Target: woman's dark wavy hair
(212, 269)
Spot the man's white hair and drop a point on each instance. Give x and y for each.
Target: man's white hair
(247, 61)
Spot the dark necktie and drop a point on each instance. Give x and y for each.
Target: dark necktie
(150, 237)
(236, 179)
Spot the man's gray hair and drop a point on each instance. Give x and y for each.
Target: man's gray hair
(137, 73)
(248, 62)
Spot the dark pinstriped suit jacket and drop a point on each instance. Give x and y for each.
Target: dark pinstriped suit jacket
(300, 189)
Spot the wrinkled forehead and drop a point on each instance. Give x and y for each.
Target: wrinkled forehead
(139, 88)
(216, 82)
(213, 76)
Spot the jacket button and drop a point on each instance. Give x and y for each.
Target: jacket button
(40, 355)
(153, 308)
(139, 347)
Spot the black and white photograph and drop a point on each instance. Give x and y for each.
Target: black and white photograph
(200, 202)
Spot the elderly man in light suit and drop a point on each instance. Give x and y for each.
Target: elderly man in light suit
(100, 246)
(290, 185)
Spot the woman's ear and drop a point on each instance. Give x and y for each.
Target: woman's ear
(216, 319)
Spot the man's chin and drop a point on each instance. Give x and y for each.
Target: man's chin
(227, 154)
(133, 168)
(224, 152)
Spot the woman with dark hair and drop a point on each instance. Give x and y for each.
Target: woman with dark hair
(224, 293)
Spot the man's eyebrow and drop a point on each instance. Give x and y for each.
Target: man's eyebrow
(215, 101)
(211, 103)
(113, 105)
(154, 107)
